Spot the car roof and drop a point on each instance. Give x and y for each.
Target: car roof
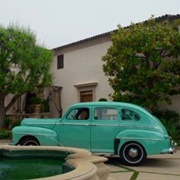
(115, 104)
(111, 103)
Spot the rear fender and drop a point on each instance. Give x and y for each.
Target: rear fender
(46, 137)
(147, 139)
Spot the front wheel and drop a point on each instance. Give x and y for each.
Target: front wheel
(132, 153)
(29, 141)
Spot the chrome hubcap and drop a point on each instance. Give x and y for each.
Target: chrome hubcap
(133, 153)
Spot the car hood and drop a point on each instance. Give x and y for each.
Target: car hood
(37, 122)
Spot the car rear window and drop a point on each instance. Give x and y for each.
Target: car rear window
(128, 114)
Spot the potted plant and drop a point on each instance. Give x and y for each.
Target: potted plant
(36, 105)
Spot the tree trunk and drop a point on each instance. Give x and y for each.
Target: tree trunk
(2, 109)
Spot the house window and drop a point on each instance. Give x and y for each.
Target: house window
(60, 61)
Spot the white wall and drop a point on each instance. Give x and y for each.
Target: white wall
(83, 65)
(175, 106)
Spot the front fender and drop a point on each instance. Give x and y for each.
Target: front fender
(152, 141)
(46, 137)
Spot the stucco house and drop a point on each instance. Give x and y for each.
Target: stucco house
(78, 75)
(77, 69)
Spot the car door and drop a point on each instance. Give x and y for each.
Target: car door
(104, 128)
(74, 130)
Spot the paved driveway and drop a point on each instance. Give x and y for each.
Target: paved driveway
(159, 167)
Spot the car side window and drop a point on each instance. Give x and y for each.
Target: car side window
(127, 114)
(102, 113)
(78, 114)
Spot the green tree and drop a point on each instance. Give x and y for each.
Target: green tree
(24, 65)
(143, 63)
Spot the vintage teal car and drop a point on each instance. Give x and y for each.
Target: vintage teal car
(114, 128)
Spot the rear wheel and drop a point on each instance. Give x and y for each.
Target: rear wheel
(132, 153)
(29, 141)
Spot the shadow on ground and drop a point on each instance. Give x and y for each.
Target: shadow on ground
(150, 162)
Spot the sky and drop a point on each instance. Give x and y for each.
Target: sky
(60, 22)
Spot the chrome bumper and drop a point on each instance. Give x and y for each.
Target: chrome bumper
(173, 147)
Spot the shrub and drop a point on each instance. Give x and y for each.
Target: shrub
(5, 134)
(16, 123)
(102, 99)
(36, 100)
(7, 122)
(45, 104)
